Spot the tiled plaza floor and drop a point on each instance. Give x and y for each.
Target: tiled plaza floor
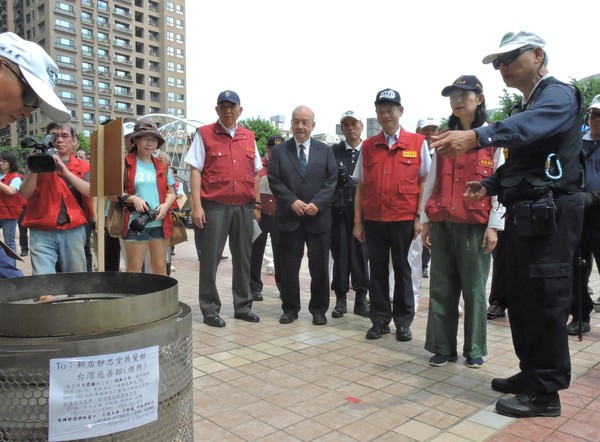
(299, 382)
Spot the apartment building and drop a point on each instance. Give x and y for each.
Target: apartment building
(118, 58)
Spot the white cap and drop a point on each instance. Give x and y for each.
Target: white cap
(595, 103)
(515, 40)
(350, 114)
(428, 121)
(39, 70)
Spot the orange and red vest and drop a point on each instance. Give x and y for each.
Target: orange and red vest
(161, 183)
(390, 190)
(43, 206)
(447, 203)
(228, 173)
(11, 206)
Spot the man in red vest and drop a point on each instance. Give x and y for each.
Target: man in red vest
(58, 207)
(390, 174)
(224, 164)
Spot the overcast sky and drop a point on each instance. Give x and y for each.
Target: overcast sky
(335, 55)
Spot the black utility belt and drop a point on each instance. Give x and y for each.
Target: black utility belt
(535, 217)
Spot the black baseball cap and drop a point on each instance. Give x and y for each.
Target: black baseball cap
(464, 82)
(274, 140)
(388, 95)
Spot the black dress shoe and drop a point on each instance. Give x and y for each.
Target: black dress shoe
(361, 308)
(377, 331)
(214, 321)
(257, 296)
(573, 328)
(338, 311)
(288, 317)
(319, 319)
(24, 253)
(514, 384)
(247, 316)
(530, 404)
(403, 334)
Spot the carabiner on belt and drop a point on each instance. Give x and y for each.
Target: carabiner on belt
(550, 159)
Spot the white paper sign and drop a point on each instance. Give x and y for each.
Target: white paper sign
(98, 395)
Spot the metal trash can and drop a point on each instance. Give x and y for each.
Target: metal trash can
(94, 314)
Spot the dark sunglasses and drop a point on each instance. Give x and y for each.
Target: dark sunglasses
(509, 57)
(29, 97)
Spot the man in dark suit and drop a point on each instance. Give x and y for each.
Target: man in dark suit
(302, 176)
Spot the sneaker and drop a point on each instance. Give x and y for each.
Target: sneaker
(425, 272)
(377, 331)
(495, 311)
(438, 360)
(24, 253)
(474, 362)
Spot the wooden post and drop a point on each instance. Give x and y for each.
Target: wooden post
(106, 180)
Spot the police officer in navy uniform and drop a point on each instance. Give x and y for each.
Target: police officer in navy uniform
(540, 185)
(348, 253)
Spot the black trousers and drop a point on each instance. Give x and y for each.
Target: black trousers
(383, 239)
(23, 236)
(349, 255)
(539, 273)
(589, 248)
(266, 225)
(317, 245)
(499, 276)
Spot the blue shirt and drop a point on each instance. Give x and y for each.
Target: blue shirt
(146, 188)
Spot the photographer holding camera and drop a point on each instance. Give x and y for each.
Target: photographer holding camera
(57, 190)
(149, 196)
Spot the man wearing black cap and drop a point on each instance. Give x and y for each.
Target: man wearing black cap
(540, 186)
(348, 253)
(224, 164)
(267, 218)
(390, 175)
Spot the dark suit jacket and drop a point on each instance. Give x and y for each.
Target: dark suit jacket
(316, 186)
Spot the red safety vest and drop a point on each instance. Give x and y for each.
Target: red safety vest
(447, 203)
(11, 206)
(161, 183)
(390, 190)
(228, 173)
(43, 206)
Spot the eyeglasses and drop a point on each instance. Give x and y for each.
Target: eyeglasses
(149, 139)
(593, 115)
(3, 161)
(29, 97)
(63, 136)
(509, 57)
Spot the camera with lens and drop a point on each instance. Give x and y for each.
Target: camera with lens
(40, 159)
(139, 224)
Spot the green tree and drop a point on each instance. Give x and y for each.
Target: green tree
(262, 129)
(506, 101)
(589, 89)
(84, 142)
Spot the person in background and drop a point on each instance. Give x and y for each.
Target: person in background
(267, 227)
(348, 253)
(11, 202)
(390, 174)
(302, 176)
(81, 154)
(461, 234)
(224, 163)
(427, 127)
(589, 244)
(58, 208)
(148, 190)
(540, 185)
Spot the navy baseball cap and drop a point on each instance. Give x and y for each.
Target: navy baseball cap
(464, 82)
(228, 96)
(388, 95)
